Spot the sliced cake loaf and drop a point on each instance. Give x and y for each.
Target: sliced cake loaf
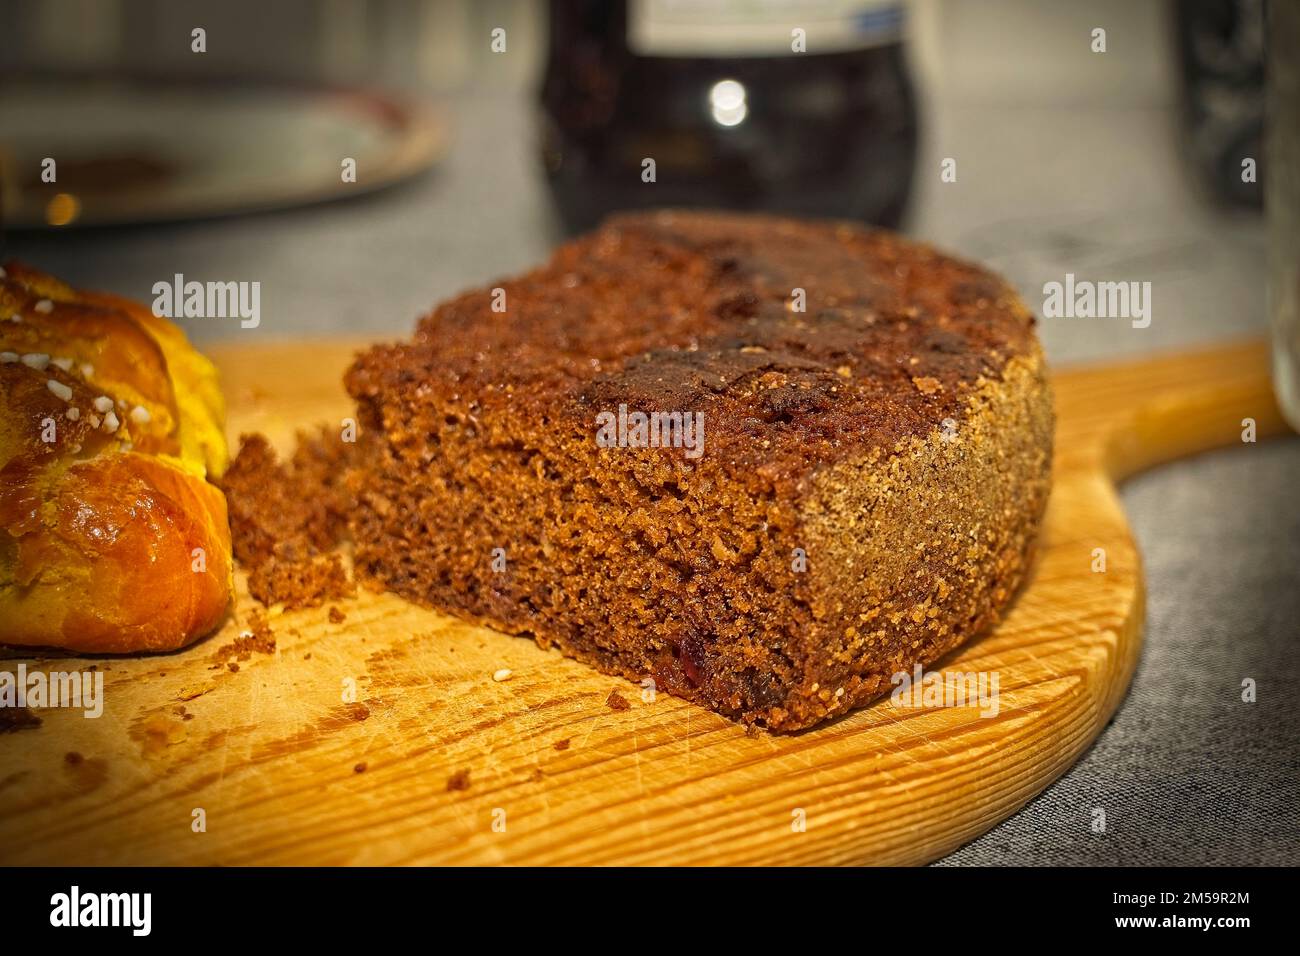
(766, 464)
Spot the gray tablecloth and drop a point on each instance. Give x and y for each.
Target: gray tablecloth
(1186, 773)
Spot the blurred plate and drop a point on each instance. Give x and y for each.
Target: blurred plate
(133, 152)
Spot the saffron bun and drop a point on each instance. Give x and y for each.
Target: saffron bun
(112, 538)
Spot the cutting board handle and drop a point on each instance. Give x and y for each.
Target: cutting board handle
(1129, 417)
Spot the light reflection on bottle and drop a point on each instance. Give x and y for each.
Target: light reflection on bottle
(727, 101)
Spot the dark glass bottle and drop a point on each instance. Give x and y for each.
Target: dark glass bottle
(731, 113)
(1221, 53)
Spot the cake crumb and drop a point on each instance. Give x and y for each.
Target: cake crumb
(502, 674)
(257, 638)
(336, 616)
(927, 385)
(458, 781)
(616, 701)
(562, 744)
(360, 767)
(295, 581)
(287, 519)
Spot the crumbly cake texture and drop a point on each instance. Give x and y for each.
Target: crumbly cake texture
(874, 472)
(287, 518)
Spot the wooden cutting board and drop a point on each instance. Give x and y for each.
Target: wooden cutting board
(436, 762)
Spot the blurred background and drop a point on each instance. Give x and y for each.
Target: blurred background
(1111, 165)
(1122, 165)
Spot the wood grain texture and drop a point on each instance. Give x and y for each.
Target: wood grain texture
(413, 771)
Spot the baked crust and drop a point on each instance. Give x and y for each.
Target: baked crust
(111, 539)
(874, 474)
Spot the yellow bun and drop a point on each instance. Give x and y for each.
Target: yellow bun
(111, 537)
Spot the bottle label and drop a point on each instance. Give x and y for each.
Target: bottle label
(709, 28)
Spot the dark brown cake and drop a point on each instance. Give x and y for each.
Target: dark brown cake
(874, 466)
(287, 518)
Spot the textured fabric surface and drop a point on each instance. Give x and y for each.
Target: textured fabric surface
(1185, 773)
